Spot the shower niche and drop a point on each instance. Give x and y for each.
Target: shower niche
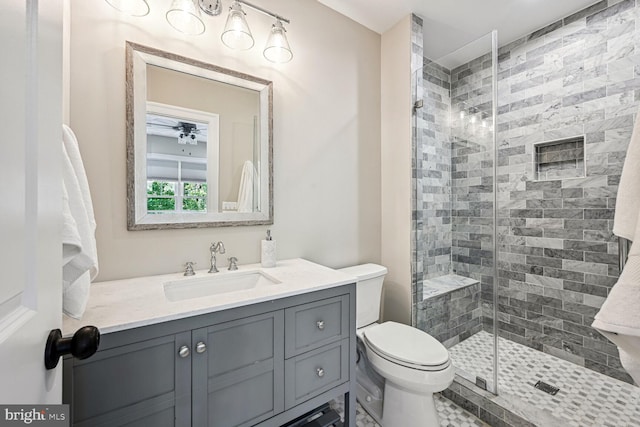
(559, 159)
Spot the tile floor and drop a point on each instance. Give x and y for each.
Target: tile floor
(586, 398)
(450, 415)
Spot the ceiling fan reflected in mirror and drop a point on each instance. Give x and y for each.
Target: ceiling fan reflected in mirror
(185, 132)
(188, 133)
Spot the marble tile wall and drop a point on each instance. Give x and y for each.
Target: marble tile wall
(557, 256)
(450, 312)
(472, 161)
(434, 153)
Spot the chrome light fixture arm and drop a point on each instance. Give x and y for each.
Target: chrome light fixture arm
(263, 10)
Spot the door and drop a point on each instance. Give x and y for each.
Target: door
(30, 189)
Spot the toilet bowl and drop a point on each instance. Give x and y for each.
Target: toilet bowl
(412, 364)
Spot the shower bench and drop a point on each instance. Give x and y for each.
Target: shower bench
(450, 309)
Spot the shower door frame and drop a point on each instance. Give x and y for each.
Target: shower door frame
(416, 143)
(494, 108)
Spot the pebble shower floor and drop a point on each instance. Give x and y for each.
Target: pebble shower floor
(586, 398)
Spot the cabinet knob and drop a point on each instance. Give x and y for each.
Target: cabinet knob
(320, 324)
(201, 347)
(183, 351)
(320, 372)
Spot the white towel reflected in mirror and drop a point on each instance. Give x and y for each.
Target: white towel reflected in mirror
(245, 192)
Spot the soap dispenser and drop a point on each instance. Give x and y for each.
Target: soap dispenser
(268, 258)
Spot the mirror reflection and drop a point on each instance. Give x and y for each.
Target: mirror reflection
(177, 165)
(203, 156)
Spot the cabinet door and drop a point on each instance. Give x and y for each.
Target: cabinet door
(140, 384)
(239, 379)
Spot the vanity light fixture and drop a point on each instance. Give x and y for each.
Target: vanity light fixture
(211, 7)
(278, 49)
(184, 16)
(237, 34)
(131, 7)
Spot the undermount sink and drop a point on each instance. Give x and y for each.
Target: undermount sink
(198, 287)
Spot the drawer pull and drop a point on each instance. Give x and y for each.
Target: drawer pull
(201, 347)
(320, 324)
(183, 351)
(320, 372)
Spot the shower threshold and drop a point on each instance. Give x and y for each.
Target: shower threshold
(585, 398)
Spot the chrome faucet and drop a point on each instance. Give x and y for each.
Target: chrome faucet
(216, 247)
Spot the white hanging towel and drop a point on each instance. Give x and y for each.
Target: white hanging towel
(245, 193)
(80, 260)
(619, 316)
(628, 197)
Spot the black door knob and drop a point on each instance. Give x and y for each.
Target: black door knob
(83, 344)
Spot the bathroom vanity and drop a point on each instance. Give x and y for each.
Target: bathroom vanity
(258, 356)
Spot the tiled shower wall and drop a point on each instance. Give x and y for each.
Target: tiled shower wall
(472, 157)
(436, 172)
(557, 256)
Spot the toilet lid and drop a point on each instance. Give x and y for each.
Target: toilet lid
(405, 344)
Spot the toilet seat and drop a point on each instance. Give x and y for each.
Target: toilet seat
(407, 346)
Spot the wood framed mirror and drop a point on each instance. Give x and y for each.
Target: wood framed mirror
(199, 143)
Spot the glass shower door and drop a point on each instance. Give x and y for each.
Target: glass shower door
(454, 208)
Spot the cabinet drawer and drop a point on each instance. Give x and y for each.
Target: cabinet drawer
(315, 372)
(313, 325)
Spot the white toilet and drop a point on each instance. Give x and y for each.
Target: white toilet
(410, 365)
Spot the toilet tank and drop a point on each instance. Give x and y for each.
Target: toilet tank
(368, 291)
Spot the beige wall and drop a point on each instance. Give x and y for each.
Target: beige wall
(396, 170)
(326, 136)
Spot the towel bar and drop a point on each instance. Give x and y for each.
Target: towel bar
(623, 251)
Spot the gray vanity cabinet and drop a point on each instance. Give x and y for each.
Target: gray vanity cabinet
(239, 380)
(263, 364)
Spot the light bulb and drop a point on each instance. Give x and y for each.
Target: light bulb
(278, 49)
(237, 34)
(184, 16)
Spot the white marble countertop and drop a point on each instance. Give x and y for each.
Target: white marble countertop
(130, 303)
